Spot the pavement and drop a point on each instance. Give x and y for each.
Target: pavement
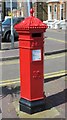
(56, 101)
(7, 53)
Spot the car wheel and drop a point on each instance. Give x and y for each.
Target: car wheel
(8, 37)
(15, 36)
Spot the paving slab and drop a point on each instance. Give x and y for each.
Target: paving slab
(8, 46)
(7, 53)
(8, 110)
(54, 103)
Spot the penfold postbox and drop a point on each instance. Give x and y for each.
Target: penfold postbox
(31, 47)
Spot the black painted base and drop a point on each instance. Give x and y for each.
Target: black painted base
(31, 107)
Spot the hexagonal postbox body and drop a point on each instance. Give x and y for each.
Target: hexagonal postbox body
(31, 47)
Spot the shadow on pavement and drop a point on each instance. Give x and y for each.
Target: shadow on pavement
(6, 91)
(56, 52)
(56, 99)
(53, 78)
(50, 101)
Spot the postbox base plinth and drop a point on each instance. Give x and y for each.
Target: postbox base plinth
(31, 107)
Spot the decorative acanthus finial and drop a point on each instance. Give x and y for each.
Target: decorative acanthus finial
(31, 11)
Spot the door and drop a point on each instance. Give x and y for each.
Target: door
(55, 12)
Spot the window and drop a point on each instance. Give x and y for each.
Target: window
(0, 7)
(50, 8)
(61, 6)
(55, 8)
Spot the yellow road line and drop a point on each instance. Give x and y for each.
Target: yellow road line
(59, 31)
(55, 30)
(55, 75)
(49, 38)
(11, 80)
(46, 76)
(9, 62)
(9, 83)
(58, 72)
(1, 51)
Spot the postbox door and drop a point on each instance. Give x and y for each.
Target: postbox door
(37, 75)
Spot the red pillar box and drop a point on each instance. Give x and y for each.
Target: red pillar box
(31, 44)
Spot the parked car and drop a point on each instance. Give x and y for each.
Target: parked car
(6, 29)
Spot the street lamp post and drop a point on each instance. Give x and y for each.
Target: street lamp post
(28, 3)
(29, 6)
(12, 35)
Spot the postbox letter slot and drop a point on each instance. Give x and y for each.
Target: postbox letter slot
(36, 34)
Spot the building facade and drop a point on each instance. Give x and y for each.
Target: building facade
(56, 9)
(6, 7)
(19, 9)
